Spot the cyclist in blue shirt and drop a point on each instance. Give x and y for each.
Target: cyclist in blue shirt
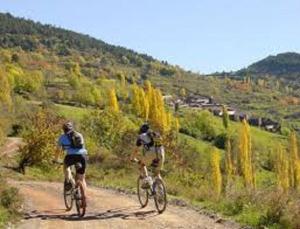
(72, 143)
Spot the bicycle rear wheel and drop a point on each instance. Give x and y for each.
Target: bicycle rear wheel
(160, 195)
(80, 200)
(142, 193)
(68, 198)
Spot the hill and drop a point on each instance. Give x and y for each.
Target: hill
(284, 64)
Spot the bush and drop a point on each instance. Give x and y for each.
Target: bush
(199, 125)
(10, 199)
(106, 128)
(220, 140)
(10, 203)
(285, 131)
(40, 138)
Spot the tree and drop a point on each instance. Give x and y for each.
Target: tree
(246, 157)
(135, 100)
(282, 169)
(40, 139)
(225, 117)
(5, 92)
(216, 176)
(294, 161)
(113, 102)
(228, 159)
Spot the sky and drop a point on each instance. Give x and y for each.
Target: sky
(199, 35)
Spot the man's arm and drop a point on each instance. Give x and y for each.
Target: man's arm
(134, 153)
(58, 151)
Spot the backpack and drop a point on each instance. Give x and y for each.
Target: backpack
(156, 139)
(76, 140)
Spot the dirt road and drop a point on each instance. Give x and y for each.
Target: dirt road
(44, 208)
(11, 146)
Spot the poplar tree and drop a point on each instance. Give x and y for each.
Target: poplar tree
(282, 169)
(113, 102)
(245, 156)
(228, 160)
(216, 176)
(294, 161)
(225, 117)
(5, 92)
(143, 104)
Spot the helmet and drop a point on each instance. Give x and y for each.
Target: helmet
(67, 127)
(144, 128)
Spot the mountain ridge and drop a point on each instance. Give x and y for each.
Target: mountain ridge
(282, 64)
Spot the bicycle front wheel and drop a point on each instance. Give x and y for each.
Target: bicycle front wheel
(160, 195)
(68, 198)
(80, 200)
(142, 193)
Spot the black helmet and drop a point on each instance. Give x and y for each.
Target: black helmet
(144, 128)
(67, 127)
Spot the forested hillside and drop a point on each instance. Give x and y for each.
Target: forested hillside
(282, 65)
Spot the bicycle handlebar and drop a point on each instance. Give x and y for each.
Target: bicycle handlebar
(135, 160)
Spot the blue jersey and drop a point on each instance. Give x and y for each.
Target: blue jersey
(65, 143)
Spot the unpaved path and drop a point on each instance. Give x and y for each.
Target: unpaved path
(11, 146)
(44, 208)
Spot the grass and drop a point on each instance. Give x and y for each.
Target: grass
(71, 112)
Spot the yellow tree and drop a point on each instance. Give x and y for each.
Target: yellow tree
(5, 92)
(245, 156)
(113, 101)
(228, 160)
(176, 124)
(282, 169)
(135, 100)
(143, 104)
(216, 176)
(294, 161)
(123, 88)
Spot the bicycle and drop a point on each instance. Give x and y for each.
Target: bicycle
(157, 190)
(75, 192)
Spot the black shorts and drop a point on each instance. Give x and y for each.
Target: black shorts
(73, 159)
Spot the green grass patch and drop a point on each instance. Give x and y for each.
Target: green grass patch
(71, 112)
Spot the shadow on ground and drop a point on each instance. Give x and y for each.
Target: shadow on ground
(128, 213)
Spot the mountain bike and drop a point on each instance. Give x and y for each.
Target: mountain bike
(157, 190)
(74, 192)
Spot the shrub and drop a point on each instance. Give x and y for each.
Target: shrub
(106, 128)
(11, 199)
(40, 139)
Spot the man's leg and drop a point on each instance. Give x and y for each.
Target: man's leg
(68, 174)
(159, 161)
(143, 169)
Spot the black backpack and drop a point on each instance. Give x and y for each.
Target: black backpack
(156, 139)
(76, 140)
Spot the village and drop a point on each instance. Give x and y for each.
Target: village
(199, 102)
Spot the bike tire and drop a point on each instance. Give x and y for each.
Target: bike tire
(160, 200)
(79, 199)
(68, 199)
(143, 194)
